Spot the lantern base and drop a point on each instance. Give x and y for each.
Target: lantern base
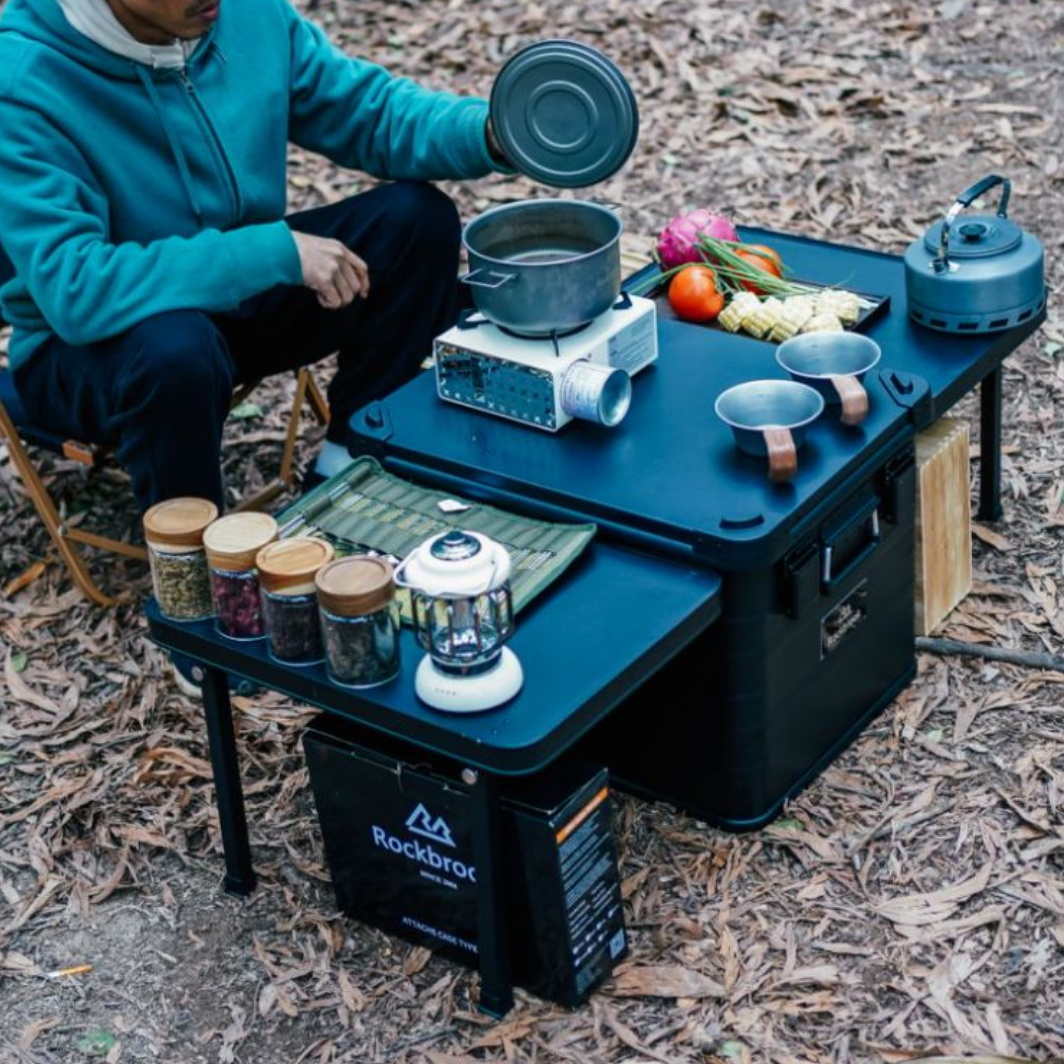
(469, 694)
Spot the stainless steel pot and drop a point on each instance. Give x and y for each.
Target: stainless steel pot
(546, 266)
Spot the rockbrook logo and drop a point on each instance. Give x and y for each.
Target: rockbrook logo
(421, 822)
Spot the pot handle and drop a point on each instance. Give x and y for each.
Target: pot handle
(475, 280)
(966, 199)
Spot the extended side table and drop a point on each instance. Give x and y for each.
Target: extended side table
(611, 622)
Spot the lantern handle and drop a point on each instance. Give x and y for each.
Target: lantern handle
(403, 581)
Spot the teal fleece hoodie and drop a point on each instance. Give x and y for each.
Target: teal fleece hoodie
(127, 191)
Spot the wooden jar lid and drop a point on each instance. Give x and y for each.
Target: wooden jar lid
(179, 522)
(232, 542)
(288, 565)
(355, 586)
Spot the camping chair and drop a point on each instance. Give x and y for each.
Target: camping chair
(20, 433)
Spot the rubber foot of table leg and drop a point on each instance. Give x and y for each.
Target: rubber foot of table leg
(495, 1005)
(240, 886)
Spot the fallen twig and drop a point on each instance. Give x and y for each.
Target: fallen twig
(976, 650)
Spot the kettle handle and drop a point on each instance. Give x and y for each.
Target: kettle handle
(966, 199)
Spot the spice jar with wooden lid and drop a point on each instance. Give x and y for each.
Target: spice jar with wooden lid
(174, 531)
(360, 621)
(232, 543)
(289, 599)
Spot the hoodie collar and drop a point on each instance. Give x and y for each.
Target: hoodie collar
(95, 19)
(44, 21)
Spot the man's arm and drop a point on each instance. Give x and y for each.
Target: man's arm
(53, 217)
(360, 116)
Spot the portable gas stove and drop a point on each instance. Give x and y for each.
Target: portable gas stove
(538, 380)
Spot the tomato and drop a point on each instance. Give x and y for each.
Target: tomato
(694, 295)
(762, 258)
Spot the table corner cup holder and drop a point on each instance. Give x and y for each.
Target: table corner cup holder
(770, 418)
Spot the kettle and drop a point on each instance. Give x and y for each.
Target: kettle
(983, 274)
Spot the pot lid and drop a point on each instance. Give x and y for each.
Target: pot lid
(233, 541)
(564, 114)
(355, 586)
(976, 236)
(456, 564)
(179, 522)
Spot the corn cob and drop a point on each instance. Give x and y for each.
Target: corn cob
(844, 305)
(794, 313)
(731, 317)
(822, 323)
(762, 319)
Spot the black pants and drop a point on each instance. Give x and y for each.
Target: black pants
(160, 392)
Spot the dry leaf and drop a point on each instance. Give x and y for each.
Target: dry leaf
(21, 691)
(32, 1031)
(995, 539)
(416, 959)
(663, 981)
(935, 906)
(23, 580)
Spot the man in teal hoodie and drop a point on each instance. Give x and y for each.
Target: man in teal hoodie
(142, 201)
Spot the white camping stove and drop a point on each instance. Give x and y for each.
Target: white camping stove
(524, 379)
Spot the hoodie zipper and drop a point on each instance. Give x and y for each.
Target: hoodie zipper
(216, 141)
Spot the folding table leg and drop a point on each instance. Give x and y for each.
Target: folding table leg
(239, 875)
(493, 944)
(990, 446)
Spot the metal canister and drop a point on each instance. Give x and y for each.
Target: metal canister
(596, 393)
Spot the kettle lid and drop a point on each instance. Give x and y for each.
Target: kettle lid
(976, 236)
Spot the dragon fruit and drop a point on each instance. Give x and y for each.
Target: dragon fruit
(678, 241)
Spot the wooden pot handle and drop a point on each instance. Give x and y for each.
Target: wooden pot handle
(854, 399)
(782, 454)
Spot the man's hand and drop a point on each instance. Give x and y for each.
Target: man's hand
(332, 270)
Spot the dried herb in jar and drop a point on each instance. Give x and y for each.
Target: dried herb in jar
(174, 532)
(232, 544)
(181, 583)
(292, 623)
(239, 606)
(289, 602)
(359, 621)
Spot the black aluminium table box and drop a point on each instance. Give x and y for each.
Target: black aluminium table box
(816, 629)
(397, 832)
(807, 650)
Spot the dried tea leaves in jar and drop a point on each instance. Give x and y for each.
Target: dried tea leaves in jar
(359, 621)
(174, 531)
(289, 599)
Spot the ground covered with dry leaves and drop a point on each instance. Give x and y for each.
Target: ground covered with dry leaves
(910, 902)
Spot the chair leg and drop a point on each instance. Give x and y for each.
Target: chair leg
(306, 392)
(318, 405)
(285, 473)
(42, 503)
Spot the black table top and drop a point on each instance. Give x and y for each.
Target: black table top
(613, 620)
(671, 468)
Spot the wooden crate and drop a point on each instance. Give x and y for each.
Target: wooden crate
(943, 522)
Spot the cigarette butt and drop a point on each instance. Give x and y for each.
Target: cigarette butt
(77, 969)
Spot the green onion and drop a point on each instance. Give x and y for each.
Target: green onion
(734, 273)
